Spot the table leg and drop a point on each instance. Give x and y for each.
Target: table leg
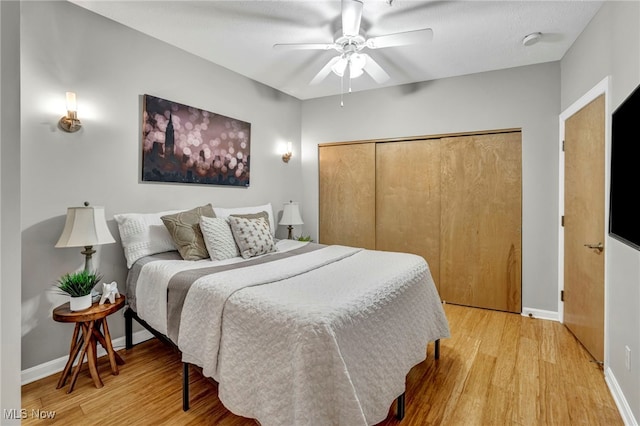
(106, 344)
(114, 358)
(76, 344)
(87, 333)
(74, 339)
(92, 356)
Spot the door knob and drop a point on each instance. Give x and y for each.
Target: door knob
(598, 246)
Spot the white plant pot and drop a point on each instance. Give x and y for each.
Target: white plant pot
(80, 303)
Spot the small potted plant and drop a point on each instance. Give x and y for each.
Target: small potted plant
(78, 286)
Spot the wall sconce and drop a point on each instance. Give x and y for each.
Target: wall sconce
(287, 155)
(70, 123)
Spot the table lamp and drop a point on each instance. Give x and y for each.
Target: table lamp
(85, 227)
(290, 217)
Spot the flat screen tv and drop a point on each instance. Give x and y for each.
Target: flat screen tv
(624, 209)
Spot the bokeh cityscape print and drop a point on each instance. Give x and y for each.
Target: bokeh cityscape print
(189, 145)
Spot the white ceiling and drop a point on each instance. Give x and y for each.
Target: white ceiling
(469, 36)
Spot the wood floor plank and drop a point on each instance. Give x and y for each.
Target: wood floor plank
(548, 344)
(492, 335)
(496, 369)
(504, 372)
(552, 393)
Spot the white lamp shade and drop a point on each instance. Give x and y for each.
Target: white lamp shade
(356, 64)
(85, 226)
(291, 214)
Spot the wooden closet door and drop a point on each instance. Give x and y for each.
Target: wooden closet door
(408, 199)
(347, 190)
(480, 240)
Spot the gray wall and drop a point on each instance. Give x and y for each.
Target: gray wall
(9, 207)
(610, 46)
(526, 97)
(109, 66)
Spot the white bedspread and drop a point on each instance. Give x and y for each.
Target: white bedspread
(327, 340)
(151, 288)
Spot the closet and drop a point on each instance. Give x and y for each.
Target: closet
(453, 199)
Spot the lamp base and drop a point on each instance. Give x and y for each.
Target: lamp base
(290, 236)
(88, 263)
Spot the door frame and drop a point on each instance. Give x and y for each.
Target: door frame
(603, 87)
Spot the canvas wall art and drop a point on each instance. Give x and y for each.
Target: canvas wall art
(189, 145)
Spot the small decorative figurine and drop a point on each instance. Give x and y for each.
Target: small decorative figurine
(109, 291)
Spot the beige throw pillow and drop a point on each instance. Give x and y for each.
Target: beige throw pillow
(184, 228)
(226, 212)
(253, 236)
(258, 215)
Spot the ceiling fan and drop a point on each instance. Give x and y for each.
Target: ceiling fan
(351, 62)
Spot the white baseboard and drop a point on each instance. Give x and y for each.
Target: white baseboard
(540, 314)
(54, 366)
(618, 397)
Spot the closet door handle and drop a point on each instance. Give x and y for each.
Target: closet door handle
(599, 246)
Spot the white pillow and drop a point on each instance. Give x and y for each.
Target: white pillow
(218, 238)
(143, 234)
(222, 212)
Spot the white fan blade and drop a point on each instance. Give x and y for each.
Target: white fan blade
(401, 39)
(351, 17)
(324, 72)
(376, 72)
(304, 46)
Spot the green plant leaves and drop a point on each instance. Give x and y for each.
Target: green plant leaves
(78, 283)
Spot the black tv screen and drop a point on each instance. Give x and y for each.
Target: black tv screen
(624, 213)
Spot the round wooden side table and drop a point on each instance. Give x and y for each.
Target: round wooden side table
(85, 337)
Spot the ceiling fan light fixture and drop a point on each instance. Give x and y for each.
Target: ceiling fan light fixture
(353, 73)
(356, 72)
(339, 67)
(356, 63)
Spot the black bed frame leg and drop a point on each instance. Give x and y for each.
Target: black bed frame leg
(437, 349)
(128, 329)
(400, 407)
(185, 386)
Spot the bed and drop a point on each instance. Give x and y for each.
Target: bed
(307, 334)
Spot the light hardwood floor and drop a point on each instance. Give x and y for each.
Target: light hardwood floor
(496, 369)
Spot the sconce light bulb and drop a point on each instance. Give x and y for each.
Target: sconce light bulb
(70, 123)
(71, 102)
